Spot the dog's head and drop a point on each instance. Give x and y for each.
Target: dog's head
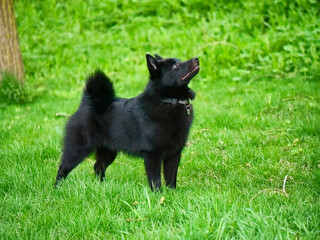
(172, 72)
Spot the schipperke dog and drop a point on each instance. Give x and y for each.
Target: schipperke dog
(154, 125)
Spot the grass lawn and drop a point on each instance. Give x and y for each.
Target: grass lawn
(251, 168)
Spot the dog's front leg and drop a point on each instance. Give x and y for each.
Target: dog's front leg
(152, 162)
(170, 169)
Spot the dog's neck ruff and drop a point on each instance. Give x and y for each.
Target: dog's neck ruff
(173, 101)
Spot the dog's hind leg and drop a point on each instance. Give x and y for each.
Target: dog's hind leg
(170, 169)
(152, 162)
(72, 156)
(104, 158)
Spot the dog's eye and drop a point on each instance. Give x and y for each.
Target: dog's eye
(175, 66)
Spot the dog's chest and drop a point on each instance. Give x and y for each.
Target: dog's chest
(172, 127)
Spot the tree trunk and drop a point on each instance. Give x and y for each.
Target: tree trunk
(10, 55)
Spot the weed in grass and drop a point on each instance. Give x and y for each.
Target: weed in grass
(12, 91)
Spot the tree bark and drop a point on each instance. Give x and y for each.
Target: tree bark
(10, 54)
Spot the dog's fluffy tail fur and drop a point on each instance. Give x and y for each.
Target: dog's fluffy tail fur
(99, 91)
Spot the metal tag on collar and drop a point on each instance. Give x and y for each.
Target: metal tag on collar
(188, 106)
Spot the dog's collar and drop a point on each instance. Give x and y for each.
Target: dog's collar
(186, 103)
(175, 101)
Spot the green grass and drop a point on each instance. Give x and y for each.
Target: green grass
(257, 116)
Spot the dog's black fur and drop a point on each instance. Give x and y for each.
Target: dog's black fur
(153, 125)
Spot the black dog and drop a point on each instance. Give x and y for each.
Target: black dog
(153, 125)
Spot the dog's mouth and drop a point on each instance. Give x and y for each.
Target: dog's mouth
(191, 74)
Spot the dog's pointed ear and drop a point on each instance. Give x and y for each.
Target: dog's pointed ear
(152, 64)
(158, 57)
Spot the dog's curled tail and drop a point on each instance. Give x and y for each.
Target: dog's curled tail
(99, 91)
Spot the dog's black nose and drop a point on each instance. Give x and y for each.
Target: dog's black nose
(195, 59)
